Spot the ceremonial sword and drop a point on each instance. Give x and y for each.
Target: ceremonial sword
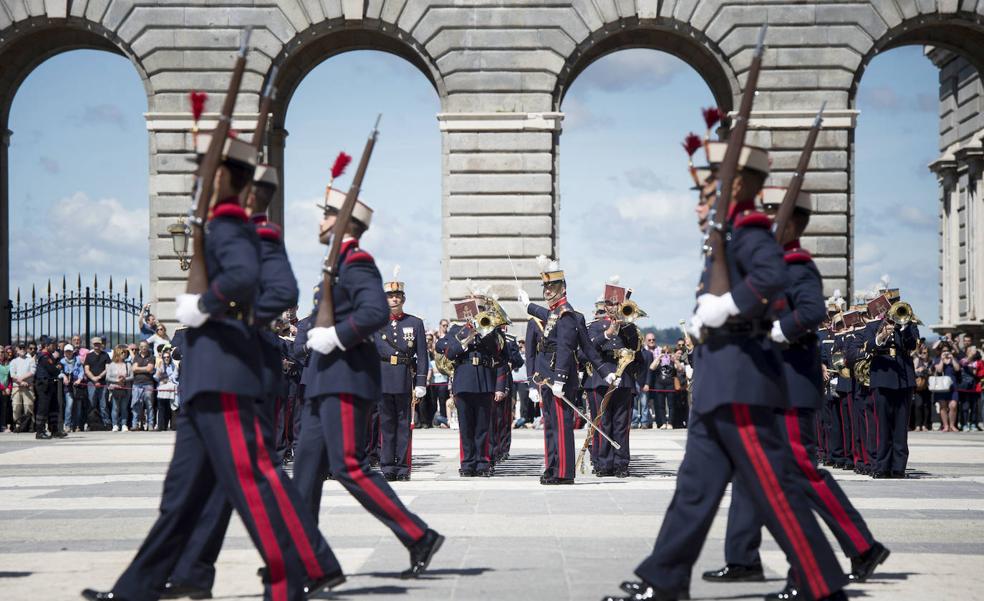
(579, 413)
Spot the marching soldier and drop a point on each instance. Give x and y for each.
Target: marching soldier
(799, 312)
(617, 341)
(342, 384)
(556, 370)
(194, 573)
(219, 442)
(479, 381)
(891, 337)
(402, 347)
(733, 433)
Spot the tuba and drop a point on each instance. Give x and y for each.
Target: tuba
(491, 318)
(444, 365)
(629, 311)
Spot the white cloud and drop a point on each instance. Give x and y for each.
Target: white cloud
(868, 253)
(656, 207)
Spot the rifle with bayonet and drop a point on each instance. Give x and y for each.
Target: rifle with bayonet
(326, 308)
(796, 181)
(259, 135)
(205, 176)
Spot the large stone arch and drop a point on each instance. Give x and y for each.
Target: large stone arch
(955, 43)
(27, 41)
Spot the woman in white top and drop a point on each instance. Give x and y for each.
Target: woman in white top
(117, 374)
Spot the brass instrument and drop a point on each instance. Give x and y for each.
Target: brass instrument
(443, 364)
(840, 364)
(624, 358)
(491, 318)
(629, 311)
(901, 314)
(862, 367)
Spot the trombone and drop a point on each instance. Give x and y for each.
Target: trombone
(629, 311)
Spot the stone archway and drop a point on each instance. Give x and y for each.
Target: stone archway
(955, 44)
(22, 49)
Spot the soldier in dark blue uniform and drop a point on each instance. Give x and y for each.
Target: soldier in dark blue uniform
(534, 335)
(733, 431)
(862, 405)
(843, 454)
(893, 380)
(479, 381)
(219, 438)
(342, 383)
(565, 333)
(194, 573)
(615, 340)
(402, 347)
(798, 313)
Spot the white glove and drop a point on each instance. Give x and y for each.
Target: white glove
(612, 380)
(693, 326)
(419, 392)
(534, 396)
(187, 311)
(714, 310)
(324, 340)
(776, 333)
(557, 388)
(524, 298)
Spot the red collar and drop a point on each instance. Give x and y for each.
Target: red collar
(397, 317)
(229, 207)
(792, 245)
(560, 301)
(348, 244)
(738, 207)
(258, 218)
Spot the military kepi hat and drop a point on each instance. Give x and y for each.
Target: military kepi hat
(395, 285)
(772, 199)
(550, 271)
(235, 150)
(266, 175)
(334, 200)
(752, 157)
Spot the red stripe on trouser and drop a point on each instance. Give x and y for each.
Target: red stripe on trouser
(561, 440)
(777, 499)
(254, 502)
(359, 477)
(830, 500)
(293, 522)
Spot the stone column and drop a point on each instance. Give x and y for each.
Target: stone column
(971, 160)
(945, 169)
(500, 202)
(276, 142)
(171, 177)
(4, 237)
(830, 234)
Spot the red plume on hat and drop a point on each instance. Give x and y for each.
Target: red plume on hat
(712, 116)
(338, 168)
(691, 143)
(197, 100)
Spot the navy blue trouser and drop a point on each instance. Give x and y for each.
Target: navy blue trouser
(558, 436)
(739, 442)
(219, 444)
(197, 563)
(825, 496)
(616, 422)
(474, 430)
(333, 438)
(836, 452)
(394, 434)
(892, 415)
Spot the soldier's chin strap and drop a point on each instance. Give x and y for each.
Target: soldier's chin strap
(547, 383)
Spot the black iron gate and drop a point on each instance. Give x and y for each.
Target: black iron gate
(87, 311)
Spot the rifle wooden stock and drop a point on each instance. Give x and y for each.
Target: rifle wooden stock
(198, 274)
(719, 280)
(326, 307)
(796, 182)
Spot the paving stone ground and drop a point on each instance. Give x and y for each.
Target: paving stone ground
(73, 512)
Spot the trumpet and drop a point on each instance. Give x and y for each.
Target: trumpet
(629, 311)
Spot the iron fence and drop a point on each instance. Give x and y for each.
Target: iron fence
(87, 311)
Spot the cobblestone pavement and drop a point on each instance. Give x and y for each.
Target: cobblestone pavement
(73, 512)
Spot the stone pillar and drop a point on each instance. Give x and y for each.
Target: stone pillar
(171, 177)
(4, 237)
(830, 234)
(945, 169)
(971, 160)
(500, 203)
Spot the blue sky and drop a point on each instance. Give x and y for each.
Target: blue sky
(79, 162)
